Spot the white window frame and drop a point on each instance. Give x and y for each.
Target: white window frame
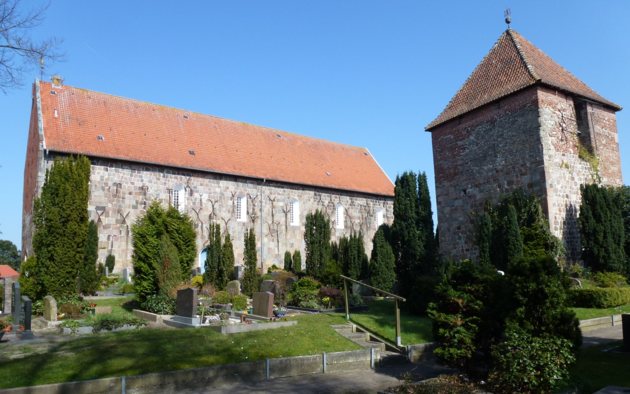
(294, 212)
(339, 216)
(379, 217)
(241, 208)
(179, 198)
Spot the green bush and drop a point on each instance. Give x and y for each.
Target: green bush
(355, 300)
(222, 297)
(610, 279)
(526, 364)
(127, 289)
(197, 281)
(239, 302)
(110, 321)
(110, 263)
(305, 291)
(160, 304)
(600, 298)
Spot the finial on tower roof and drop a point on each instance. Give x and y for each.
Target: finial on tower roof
(507, 13)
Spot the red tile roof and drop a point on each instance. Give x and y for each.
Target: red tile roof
(7, 271)
(512, 64)
(73, 120)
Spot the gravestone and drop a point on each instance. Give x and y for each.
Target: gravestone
(16, 305)
(233, 288)
(26, 334)
(263, 304)
(271, 286)
(125, 275)
(50, 308)
(187, 302)
(106, 271)
(101, 310)
(6, 308)
(625, 322)
(238, 271)
(289, 283)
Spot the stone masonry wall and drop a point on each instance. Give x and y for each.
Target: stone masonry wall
(480, 156)
(120, 191)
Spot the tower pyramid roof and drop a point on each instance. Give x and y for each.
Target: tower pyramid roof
(513, 64)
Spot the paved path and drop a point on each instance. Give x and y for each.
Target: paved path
(369, 381)
(600, 336)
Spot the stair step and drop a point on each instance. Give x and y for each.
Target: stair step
(389, 358)
(344, 330)
(341, 326)
(357, 336)
(371, 345)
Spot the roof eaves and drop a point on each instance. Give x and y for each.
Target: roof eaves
(605, 102)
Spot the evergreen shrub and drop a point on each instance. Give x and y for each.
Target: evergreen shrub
(222, 297)
(127, 289)
(610, 279)
(239, 302)
(160, 304)
(288, 261)
(355, 300)
(110, 263)
(599, 297)
(197, 281)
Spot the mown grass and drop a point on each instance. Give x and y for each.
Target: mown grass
(381, 321)
(596, 369)
(117, 304)
(592, 313)
(149, 351)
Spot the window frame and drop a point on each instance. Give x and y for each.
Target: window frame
(179, 198)
(241, 211)
(340, 210)
(379, 217)
(294, 212)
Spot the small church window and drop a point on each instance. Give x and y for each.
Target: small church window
(340, 216)
(241, 208)
(179, 198)
(294, 212)
(379, 217)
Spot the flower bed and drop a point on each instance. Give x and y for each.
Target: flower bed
(101, 323)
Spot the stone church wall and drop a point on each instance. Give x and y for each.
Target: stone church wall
(120, 192)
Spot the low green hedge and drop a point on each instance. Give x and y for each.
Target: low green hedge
(600, 297)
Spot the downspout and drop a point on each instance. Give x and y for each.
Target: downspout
(262, 235)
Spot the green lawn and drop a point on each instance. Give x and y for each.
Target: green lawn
(595, 369)
(592, 313)
(150, 351)
(116, 304)
(381, 320)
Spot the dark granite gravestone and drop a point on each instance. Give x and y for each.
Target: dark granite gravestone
(289, 283)
(238, 271)
(233, 288)
(187, 302)
(16, 305)
(263, 304)
(26, 334)
(7, 295)
(625, 322)
(270, 286)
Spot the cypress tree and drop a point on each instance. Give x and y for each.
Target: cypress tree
(181, 232)
(250, 277)
(317, 242)
(167, 267)
(484, 238)
(227, 263)
(89, 270)
(110, 262)
(356, 266)
(212, 265)
(602, 229)
(297, 261)
(382, 263)
(513, 241)
(429, 259)
(60, 217)
(288, 263)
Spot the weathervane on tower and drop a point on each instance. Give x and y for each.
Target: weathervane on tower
(507, 14)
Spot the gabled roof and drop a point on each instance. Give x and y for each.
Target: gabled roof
(73, 120)
(7, 271)
(513, 64)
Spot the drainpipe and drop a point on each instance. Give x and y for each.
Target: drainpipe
(262, 239)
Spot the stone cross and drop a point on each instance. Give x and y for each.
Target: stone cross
(263, 304)
(187, 302)
(17, 306)
(7, 295)
(50, 308)
(233, 288)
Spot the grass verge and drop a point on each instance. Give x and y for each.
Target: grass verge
(592, 313)
(149, 351)
(596, 369)
(381, 321)
(117, 304)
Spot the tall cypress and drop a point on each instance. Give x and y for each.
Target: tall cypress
(227, 263)
(513, 241)
(212, 265)
(60, 217)
(288, 262)
(317, 242)
(89, 270)
(297, 261)
(382, 263)
(484, 238)
(250, 277)
(356, 266)
(429, 259)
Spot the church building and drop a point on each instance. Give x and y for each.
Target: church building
(520, 121)
(215, 170)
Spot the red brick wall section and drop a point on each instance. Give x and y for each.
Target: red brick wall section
(488, 152)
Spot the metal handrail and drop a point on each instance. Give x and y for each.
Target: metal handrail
(374, 288)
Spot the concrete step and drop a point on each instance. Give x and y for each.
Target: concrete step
(371, 345)
(390, 358)
(357, 336)
(342, 328)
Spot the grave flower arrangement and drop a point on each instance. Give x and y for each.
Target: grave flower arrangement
(91, 308)
(4, 324)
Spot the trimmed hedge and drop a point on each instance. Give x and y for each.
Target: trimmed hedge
(600, 297)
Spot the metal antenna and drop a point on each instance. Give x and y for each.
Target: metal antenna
(508, 16)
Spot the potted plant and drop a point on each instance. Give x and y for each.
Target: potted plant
(280, 312)
(92, 308)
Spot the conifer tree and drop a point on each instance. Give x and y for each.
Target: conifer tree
(602, 229)
(297, 261)
(429, 259)
(60, 217)
(356, 266)
(250, 277)
(110, 262)
(288, 262)
(317, 242)
(513, 241)
(484, 238)
(227, 263)
(167, 267)
(89, 270)
(382, 263)
(212, 264)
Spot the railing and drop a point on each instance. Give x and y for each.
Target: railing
(396, 298)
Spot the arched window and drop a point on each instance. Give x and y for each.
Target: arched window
(340, 216)
(241, 208)
(294, 212)
(179, 198)
(379, 217)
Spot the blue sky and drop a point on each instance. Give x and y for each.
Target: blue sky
(364, 73)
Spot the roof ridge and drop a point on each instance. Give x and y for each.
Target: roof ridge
(529, 67)
(202, 114)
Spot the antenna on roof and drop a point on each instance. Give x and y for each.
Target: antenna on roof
(507, 14)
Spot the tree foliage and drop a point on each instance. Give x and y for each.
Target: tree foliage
(28, 285)
(317, 242)
(9, 255)
(602, 229)
(167, 268)
(110, 263)
(484, 239)
(60, 217)
(226, 273)
(288, 261)
(250, 260)
(297, 261)
(383, 262)
(88, 271)
(213, 254)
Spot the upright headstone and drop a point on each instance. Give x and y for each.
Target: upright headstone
(125, 274)
(187, 302)
(625, 322)
(233, 288)
(16, 306)
(50, 308)
(238, 271)
(7, 295)
(263, 304)
(26, 334)
(271, 286)
(289, 283)
(106, 271)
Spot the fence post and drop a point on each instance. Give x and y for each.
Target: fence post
(372, 358)
(123, 385)
(398, 341)
(324, 359)
(345, 291)
(267, 368)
